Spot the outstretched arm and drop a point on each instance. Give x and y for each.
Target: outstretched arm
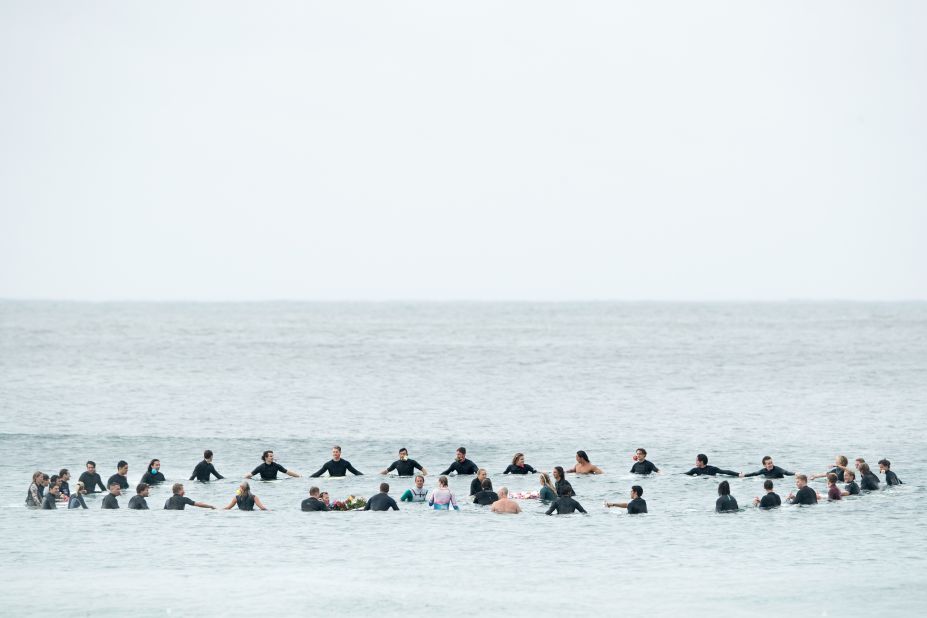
(292, 473)
(620, 505)
(230, 505)
(354, 470)
(212, 470)
(203, 505)
(259, 504)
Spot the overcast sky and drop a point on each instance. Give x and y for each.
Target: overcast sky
(474, 150)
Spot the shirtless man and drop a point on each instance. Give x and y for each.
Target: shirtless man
(583, 466)
(503, 504)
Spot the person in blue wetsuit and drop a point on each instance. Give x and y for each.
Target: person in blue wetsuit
(769, 470)
(703, 469)
(548, 490)
(726, 503)
(76, 499)
(269, 468)
(336, 466)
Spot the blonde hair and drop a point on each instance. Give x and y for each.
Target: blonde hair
(545, 481)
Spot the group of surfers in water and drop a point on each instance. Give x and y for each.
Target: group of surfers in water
(47, 492)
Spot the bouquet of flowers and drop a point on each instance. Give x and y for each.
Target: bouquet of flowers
(351, 503)
(524, 495)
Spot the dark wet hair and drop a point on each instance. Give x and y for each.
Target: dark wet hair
(62, 471)
(152, 463)
(384, 487)
(141, 487)
(207, 454)
(92, 463)
(886, 463)
(486, 485)
(643, 450)
(832, 478)
(638, 490)
(766, 458)
(122, 464)
(462, 450)
(336, 447)
(850, 474)
(702, 457)
(560, 472)
(864, 468)
(45, 477)
(767, 484)
(403, 449)
(583, 456)
(54, 480)
(264, 456)
(724, 488)
(114, 482)
(565, 489)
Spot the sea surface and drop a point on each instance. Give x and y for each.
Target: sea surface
(802, 382)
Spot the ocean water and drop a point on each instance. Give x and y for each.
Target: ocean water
(801, 382)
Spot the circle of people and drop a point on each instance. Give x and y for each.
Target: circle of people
(47, 492)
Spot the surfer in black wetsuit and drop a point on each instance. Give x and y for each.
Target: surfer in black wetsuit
(769, 470)
(642, 465)
(91, 479)
(138, 502)
(518, 466)
(179, 501)
(205, 469)
(885, 467)
(153, 474)
(636, 505)
(404, 466)
(313, 503)
(565, 504)
(840, 464)
(726, 503)
(805, 496)
(851, 488)
(109, 500)
(703, 469)
(868, 481)
(244, 499)
(337, 466)
(122, 470)
(461, 465)
(485, 496)
(382, 501)
(50, 500)
(770, 500)
(269, 468)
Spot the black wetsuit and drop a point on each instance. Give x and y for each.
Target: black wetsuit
(118, 478)
(838, 471)
(245, 503)
(564, 505)
(268, 471)
(138, 503)
(637, 506)
(891, 478)
(563, 487)
(381, 502)
(50, 501)
(337, 468)
(805, 496)
(91, 482)
(643, 467)
(405, 468)
(153, 479)
(770, 500)
(313, 504)
(110, 502)
(869, 482)
(462, 467)
(525, 469)
(485, 497)
(775, 473)
(202, 471)
(726, 504)
(64, 489)
(476, 486)
(178, 503)
(852, 488)
(711, 471)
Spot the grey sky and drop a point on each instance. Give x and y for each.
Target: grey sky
(476, 150)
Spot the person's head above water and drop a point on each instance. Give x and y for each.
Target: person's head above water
(859, 461)
(565, 489)
(724, 488)
(114, 488)
(637, 491)
(207, 455)
(768, 485)
(849, 475)
(641, 454)
(403, 454)
(64, 475)
(486, 485)
(518, 459)
(884, 465)
(314, 491)
(558, 473)
(336, 452)
(461, 453)
(768, 463)
(841, 460)
(177, 489)
(244, 489)
(701, 460)
(801, 480)
(154, 465)
(384, 488)
(80, 488)
(268, 457)
(142, 489)
(863, 468)
(37, 476)
(582, 457)
(831, 478)
(503, 492)
(122, 467)
(419, 481)
(442, 481)
(481, 474)
(91, 467)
